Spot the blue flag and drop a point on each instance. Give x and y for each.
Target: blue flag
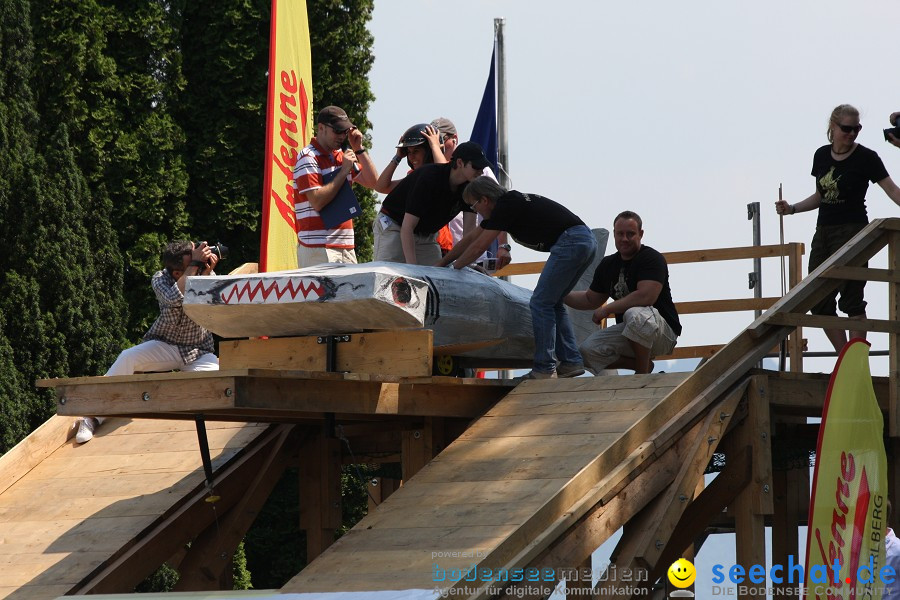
(484, 131)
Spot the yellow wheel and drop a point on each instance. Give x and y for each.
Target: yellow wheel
(444, 365)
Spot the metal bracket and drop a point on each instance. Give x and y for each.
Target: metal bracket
(331, 349)
(204, 456)
(752, 279)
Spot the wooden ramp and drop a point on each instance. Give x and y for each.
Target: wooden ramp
(69, 511)
(512, 478)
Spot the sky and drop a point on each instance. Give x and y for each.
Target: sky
(684, 112)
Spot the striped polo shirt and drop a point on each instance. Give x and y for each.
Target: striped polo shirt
(313, 163)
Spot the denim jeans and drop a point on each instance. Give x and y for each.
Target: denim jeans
(553, 333)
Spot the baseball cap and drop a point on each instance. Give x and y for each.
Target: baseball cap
(471, 152)
(444, 125)
(336, 117)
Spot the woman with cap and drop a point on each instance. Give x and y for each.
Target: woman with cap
(842, 169)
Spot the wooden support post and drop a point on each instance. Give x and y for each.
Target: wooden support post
(755, 501)
(786, 523)
(420, 445)
(795, 274)
(894, 338)
(320, 492)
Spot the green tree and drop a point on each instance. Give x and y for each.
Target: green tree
(222, 110)
(108, 70)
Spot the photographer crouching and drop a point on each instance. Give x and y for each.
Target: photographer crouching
(174, 342)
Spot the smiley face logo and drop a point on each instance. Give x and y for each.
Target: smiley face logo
(682, 573)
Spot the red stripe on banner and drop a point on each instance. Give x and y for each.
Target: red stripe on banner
(267, 177)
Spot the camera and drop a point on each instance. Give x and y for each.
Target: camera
(220, 250)
(893, 130)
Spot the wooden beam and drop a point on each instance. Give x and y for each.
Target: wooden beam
(208, 563)
(726, 305)
(642, 545)
(674, 258)
(320, 491)
(257, 391)
(710, 503)
(862, 274)
(797, 319)
(894, 337)
(717, 254)
(171, 531)
(400, 352)
(585, 535)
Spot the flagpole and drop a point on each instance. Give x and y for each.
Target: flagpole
(502, 140)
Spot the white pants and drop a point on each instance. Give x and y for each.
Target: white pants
(309, 257)
(154, 355)
(642, 325)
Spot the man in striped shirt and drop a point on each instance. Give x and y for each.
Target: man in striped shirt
(319, 173)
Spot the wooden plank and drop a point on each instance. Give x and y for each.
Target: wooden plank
(525, 447)
(499, 469)
(894, 337)
(553, 424)
(523, 268)
(38, 445)
(727, 305)
(718, 254)
(400, 352)
(674, 258)
(862, 274)
(103, 396)
(805, 320)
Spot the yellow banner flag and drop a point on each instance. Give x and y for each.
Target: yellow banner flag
(288, 129)
(848, 506)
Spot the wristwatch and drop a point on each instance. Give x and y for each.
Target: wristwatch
(506, 247)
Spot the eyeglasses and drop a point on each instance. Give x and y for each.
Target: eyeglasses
(850, 128)
(340, 131)
(474, 204)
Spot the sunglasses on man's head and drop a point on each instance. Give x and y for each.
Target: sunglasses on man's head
(850, 128)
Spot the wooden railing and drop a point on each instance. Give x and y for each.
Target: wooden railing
(794, 270)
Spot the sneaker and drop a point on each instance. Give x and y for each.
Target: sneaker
(566, 370)
(535, 375)
(86, 430)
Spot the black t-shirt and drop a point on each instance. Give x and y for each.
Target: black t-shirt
(843, 184)
(617, 278)
(533, 221)
(426, 193)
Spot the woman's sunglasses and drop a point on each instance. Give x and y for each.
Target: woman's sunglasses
(850, 128)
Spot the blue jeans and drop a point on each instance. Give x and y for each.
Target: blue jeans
(569, 257)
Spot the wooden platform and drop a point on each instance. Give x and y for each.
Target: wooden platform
(501, 483)
(67, 509)
(275, 395)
